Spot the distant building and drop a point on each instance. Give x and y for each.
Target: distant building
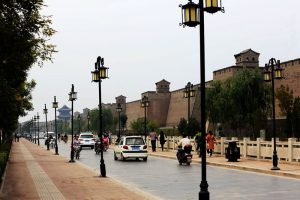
(64, 113)
(167, 107)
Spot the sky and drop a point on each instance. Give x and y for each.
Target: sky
(142, 43)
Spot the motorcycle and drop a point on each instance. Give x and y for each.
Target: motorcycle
(77, 150)
(184, 155)
(105, 143)
(97, 147)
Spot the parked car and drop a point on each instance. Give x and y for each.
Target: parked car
(131, 147)
(87, 139)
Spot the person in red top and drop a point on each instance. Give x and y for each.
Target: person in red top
(210, 139)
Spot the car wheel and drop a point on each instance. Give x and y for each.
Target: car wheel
(145, 159)
(92, 147)
(115, 156)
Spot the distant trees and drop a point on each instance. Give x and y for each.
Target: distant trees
(24, 34)
(290, 107)
(107, 120)
(241, 103)
(138, 125)
(189, 128)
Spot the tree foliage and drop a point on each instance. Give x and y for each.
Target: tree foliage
(241, 102)
(182, 126)
(107, 120)
(138, 125)
(24, 34)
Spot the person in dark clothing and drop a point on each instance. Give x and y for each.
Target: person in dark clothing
(162, 140)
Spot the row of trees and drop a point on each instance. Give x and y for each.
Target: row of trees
(24, 34)
(243, 105)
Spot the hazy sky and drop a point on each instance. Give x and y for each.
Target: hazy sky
(142, 43)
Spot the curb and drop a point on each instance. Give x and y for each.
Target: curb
(250, 169)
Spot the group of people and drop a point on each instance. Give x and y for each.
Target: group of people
(162, 139)
(210, 141)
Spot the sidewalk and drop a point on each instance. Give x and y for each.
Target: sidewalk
(35, 173)
(259, 166)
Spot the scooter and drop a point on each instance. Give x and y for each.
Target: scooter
(97, 147)
(77, 150)
(105, 143)
(184, 155)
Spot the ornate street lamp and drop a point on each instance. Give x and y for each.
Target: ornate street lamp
(119, 110)
(192, 15)
(46, 112)
(34, 128)
(188, 93)
(273, 72)
(38, 121)
(72, 98)
(88, 119)
(79, 120)
(145, 104)
(55, 106)
(100, 72)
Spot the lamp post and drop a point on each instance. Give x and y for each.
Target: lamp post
(188, 93)
(88, 119)
(55, 106)
(145, 104)
(119, 110)
(192, 15)
(270, 74)
(34, 128)
(38, 121)
(72, 98)
(99, 73)
(46, 112)
(79, 128)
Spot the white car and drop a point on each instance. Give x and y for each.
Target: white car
(87, 140)
(131, 147)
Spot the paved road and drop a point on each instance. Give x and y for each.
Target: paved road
(166, 179)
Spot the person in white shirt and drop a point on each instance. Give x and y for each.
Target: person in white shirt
(184, 141)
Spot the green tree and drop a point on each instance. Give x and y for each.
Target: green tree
(239, 102)
(285, 98)
(182, 126)
(194, 126)
(123, 119)
(296, 117)
(24, 34)
(107, 120)
(138, 125)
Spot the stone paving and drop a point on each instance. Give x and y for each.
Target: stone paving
(35, 173)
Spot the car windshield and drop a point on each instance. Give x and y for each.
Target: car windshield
(134, 141)
(86, 136)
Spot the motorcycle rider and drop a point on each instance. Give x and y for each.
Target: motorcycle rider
(105, 140)
(77, 147)
(183, 143)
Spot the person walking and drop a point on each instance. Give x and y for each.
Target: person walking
(198, 143)
(210, 139)
(162, 140)
(153, 137)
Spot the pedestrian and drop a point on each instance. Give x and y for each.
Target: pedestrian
(109, 136)
(198, 143)
(210, 139)
(153, 137)
(162, 140)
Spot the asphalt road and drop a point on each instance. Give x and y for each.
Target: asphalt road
(165, 178)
